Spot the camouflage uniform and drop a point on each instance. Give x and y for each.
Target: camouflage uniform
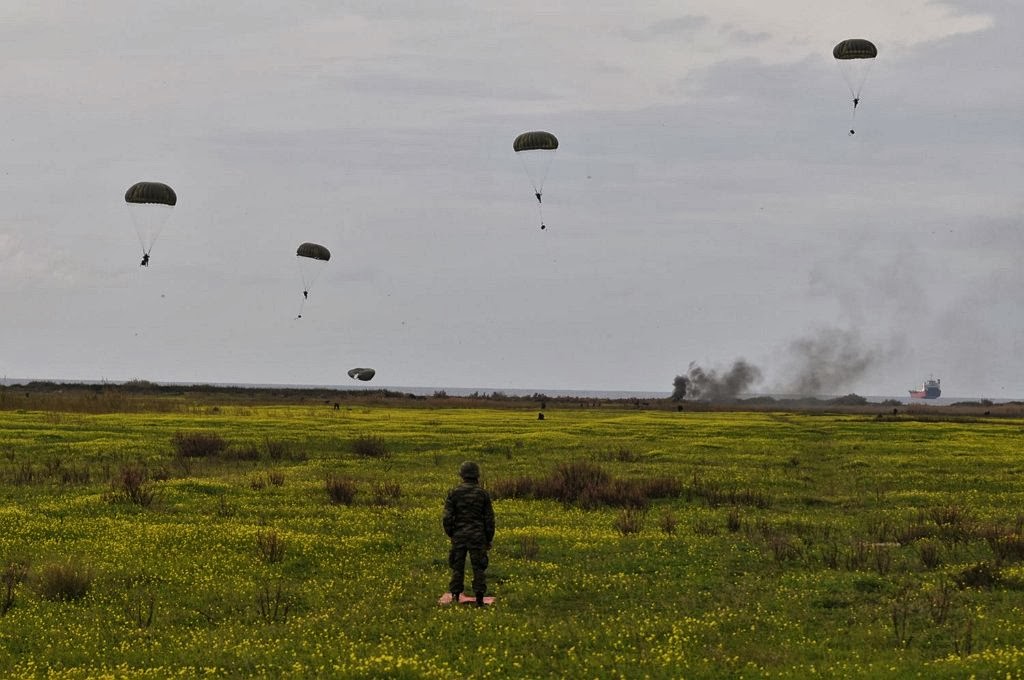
(469, 522)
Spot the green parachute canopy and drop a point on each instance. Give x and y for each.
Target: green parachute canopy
(855, 48)
(363, 374)
(314, 251)
(151, 192)
(535, 141)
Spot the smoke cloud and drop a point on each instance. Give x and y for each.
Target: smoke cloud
(710, 385)
(826, 362)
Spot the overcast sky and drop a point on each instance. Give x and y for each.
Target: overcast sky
(706, 202)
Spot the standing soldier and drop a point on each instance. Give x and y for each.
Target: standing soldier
(469, 522)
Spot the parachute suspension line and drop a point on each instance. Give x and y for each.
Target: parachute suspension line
(855, 83)
(538, 186)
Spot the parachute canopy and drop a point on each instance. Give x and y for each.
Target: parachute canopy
(314, 251)
(855, 48)
(535, 141)
(150, 192)
(363, 374)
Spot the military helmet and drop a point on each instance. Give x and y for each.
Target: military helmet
(469, 470)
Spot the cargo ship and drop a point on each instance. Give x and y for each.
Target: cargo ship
(930, 390)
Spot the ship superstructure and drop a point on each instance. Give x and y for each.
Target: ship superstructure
(932, 389)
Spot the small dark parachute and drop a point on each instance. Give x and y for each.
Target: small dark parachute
(150, 205)
(311, 258)
(364, 374)
(855, 58)
(314, 251)
(536, 149)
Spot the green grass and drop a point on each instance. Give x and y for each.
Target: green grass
(884, 548)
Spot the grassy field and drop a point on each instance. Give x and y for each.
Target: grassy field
(224, 540)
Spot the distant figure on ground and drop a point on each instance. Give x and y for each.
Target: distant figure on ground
(305, 295)
(540, 416)
(469, 522)
(145, 260)
(337, 406)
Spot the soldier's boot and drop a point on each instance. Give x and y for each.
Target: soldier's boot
(479, 599)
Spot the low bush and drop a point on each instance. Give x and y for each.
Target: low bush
(270, 546)
(980, 575)
(629, 521)
(64, 581)
(341, 490)
(386, 493)
(369, 446)
(198, 444)
(930, 553)
(529, 547)
(716, 494)
(667, 522)
(12, 576)
(131, 484)
(587, 485)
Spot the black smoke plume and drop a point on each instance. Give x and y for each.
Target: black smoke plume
(710, 385)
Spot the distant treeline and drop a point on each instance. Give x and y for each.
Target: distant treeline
(144, 395)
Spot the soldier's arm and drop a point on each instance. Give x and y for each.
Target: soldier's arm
(488, 519)
(448, 519)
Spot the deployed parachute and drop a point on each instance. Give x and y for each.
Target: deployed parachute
(363, 374)
(150, 204)
(311, 258)
(536, 149)
(855, 58)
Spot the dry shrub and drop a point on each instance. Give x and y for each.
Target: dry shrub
(930, 553)
(247, 452)
(716, 494)
(277, 449)
(513, 487)
(954, 522)
(702, 526)
(629, 521)
(668, 522)
(980, 575)
(270, 546)
(732, 521)
(198, 444)
(914, 531)
(621, 453)
(784, 548)
(132, 484)
(64, 581)
(370, 446)
(588, 485)
(273, 604)
(529, 547)
(12, 576)
(75, 475)
(341, 490)
(25, 474)
(1007, 547)
(386, 493)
